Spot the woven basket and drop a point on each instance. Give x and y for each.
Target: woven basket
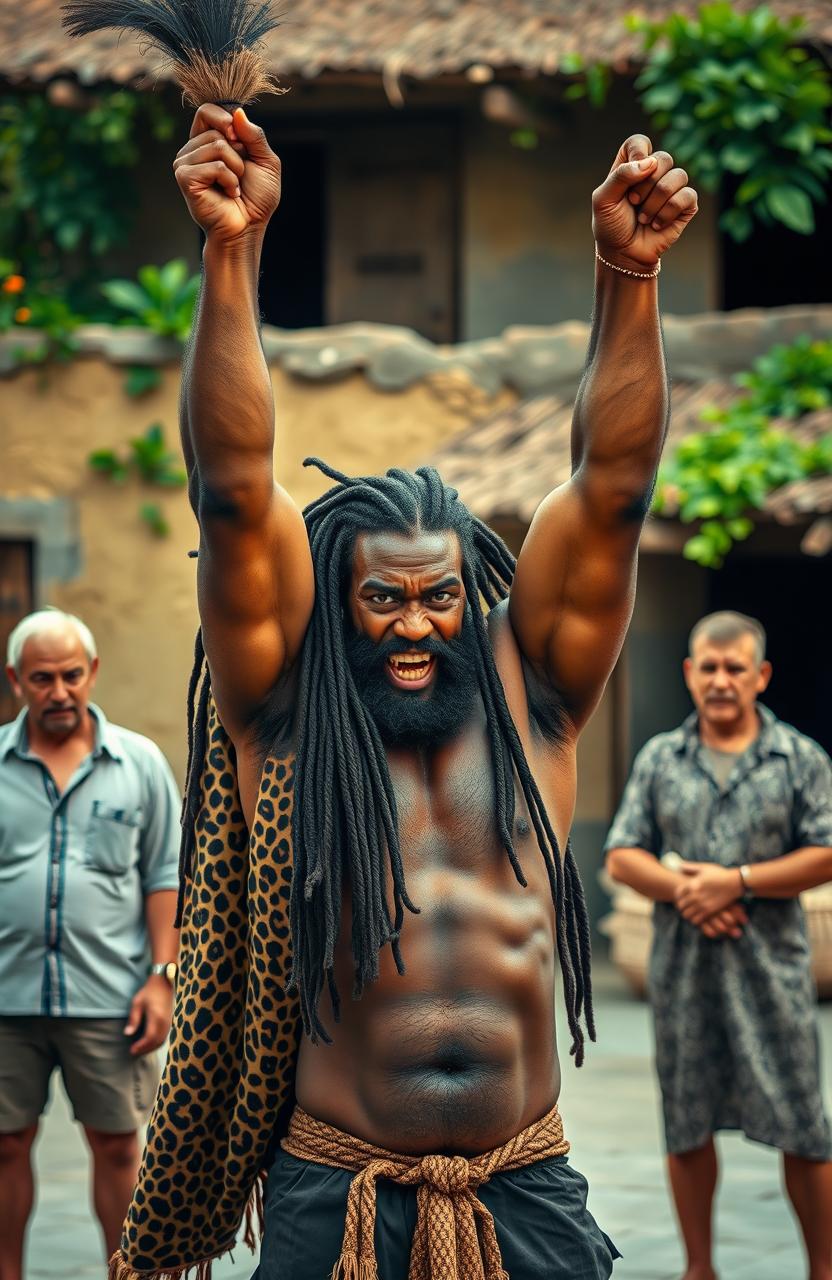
(629, 926)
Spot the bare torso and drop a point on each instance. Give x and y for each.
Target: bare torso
(458, 1054)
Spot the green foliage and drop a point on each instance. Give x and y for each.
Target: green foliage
(150, 457)
(27, 306)
(142, 378)
(162, 299)
(791, 380)
(737, 98)
(593, 79)
(150, 460)
(67, 190)
(717, 476)
(153, 516)
(526, 139)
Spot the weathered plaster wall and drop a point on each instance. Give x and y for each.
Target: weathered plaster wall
(527, 248)
(137, 591)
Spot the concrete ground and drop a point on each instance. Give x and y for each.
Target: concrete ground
(611, 1113)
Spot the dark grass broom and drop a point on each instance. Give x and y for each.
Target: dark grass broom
(214, 46)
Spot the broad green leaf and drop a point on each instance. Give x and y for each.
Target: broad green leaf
(664, 97)
(738, 223)
(792, 207)
(701, 550)
(799, 138)
(750, 115)
(738, 157)
(173, 275)
(126, 295)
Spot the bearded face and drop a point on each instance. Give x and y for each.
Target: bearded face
(442, 679)
(409, 636)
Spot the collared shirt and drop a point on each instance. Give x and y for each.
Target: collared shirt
(75, 869)
(778, 797)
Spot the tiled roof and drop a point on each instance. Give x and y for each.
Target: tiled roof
(420, 38)
(504, 467)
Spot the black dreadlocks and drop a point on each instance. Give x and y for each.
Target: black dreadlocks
(345, 821)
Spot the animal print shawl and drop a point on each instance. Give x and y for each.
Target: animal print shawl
(227, 1090)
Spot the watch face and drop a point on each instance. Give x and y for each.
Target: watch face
(170, 971)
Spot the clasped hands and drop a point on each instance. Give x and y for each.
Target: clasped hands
(708, 896)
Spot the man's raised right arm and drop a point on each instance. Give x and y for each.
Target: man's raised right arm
(256, 585)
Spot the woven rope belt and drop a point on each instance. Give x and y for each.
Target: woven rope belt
(454, 1237)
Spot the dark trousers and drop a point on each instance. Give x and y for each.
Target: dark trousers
(544, 1229)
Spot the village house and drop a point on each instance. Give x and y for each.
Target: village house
(426, 289)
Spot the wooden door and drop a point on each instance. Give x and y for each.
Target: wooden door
(393, 227)
(15, 603)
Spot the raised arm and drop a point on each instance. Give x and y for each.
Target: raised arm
(573, 591)
(255, 570)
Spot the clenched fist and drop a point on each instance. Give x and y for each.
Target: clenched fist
(642, 208)
(228, 174)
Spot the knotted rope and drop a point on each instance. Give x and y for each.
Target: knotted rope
(454, 1237)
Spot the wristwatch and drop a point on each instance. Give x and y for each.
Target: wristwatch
(167, 969)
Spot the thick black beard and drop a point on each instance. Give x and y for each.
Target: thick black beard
(424, 718)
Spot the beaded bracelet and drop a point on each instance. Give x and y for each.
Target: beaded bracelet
(638, 275)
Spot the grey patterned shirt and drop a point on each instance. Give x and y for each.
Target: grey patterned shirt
(736, 1042)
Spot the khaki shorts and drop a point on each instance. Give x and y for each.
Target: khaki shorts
(109, 1090)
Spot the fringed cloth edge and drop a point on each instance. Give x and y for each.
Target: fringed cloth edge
(120, 1269)
(455, 1237)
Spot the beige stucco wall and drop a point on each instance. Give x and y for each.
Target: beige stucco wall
(136, 591)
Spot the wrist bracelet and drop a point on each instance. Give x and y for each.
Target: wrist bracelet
(745, 871)
(637, 275)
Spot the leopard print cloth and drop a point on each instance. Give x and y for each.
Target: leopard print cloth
(227, 1090)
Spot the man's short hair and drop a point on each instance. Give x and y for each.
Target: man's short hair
(726, 626)
(41, 622)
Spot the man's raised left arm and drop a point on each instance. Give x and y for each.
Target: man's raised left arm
(573, 591)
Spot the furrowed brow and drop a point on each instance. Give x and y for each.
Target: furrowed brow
(451, 581)
(382, 588)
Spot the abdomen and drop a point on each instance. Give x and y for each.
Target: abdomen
(458, 1054)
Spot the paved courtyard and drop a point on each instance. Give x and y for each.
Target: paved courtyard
(611, 1113)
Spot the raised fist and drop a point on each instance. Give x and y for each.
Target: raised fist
(228, 173)
(643, 207)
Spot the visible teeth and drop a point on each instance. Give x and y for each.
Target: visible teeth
(410, 667)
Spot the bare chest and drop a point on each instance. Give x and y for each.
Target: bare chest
(445, 806)
(449, 814)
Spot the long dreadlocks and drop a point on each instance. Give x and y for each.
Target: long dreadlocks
(345, 821)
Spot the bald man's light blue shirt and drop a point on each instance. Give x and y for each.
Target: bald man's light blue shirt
(75, 869)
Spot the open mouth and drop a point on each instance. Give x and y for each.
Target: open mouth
(413, 670)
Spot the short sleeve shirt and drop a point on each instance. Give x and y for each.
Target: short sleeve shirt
(777, 797)
(736, 1044)
(75, 869)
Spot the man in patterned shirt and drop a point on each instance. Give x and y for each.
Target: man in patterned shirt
(746, 801)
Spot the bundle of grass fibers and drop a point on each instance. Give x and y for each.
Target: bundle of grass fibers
(214, 46)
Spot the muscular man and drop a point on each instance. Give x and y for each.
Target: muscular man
(435, 765)
(747, 802)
